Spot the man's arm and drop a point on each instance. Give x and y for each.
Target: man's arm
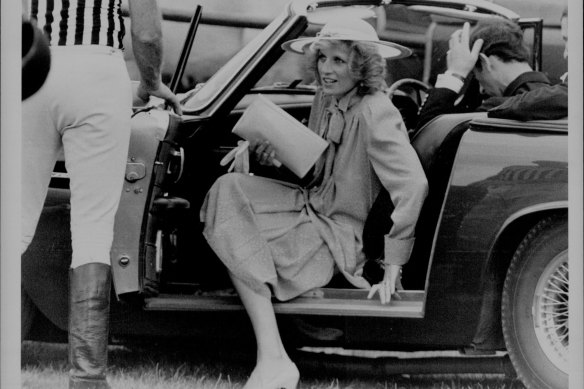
(460, 60)
(545, 103)
(439, 101)
(146, 34)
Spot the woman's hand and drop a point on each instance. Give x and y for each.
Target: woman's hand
(264, 152)
(388, 287)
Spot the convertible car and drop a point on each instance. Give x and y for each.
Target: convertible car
(489, 271)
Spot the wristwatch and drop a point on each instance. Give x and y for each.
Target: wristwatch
(455, 75)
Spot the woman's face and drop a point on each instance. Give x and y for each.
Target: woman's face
(333, 69)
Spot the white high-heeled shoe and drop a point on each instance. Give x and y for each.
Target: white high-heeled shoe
(281, 374)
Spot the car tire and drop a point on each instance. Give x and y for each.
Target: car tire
(28, 312)
(535, 306)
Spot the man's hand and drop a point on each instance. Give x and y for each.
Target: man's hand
(387, 288)
(146, 32)
(163, 92)
(460, 58)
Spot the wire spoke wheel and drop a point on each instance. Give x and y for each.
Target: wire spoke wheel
(550, 311)
(534, 307)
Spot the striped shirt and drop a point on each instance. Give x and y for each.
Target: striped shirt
(80, 22)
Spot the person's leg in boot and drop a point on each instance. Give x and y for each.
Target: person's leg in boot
(89, 302)
(96, 150)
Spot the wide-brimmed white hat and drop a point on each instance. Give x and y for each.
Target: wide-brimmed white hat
(348, 29)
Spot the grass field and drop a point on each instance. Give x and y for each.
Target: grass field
(44, 366)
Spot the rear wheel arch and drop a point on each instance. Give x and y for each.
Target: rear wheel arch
(513, 232)
(494, 272)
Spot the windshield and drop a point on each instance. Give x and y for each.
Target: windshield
(221, 79)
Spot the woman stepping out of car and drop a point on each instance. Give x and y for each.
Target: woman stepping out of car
(282, 239)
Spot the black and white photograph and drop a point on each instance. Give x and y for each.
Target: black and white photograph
(291, 194)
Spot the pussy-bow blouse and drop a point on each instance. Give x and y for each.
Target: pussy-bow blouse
(368, 148)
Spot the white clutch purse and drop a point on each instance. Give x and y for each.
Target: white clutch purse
(296, 146)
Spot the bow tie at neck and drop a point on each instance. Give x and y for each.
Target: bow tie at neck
(334, 120)
(333, 124)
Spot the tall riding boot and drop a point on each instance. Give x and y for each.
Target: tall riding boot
(89, 302)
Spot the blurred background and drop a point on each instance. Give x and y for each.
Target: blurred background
(215, 44)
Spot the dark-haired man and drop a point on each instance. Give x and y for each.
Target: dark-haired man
(498, 57)
(546, 103)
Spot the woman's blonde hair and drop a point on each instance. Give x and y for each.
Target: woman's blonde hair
(365, 65)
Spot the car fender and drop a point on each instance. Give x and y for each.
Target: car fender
(503, 171)
(501, 174)
(553, 206)
(514, 230)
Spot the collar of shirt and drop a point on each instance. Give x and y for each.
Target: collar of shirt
(523, 79)
(346, 101)
(336, 111)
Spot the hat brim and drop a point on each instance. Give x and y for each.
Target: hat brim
(386, 49)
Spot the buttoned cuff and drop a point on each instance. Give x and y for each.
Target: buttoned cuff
(448, 81)
(397, 251)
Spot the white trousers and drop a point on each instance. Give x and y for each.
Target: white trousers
(83, 110)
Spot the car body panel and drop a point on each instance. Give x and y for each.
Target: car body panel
(492, 183)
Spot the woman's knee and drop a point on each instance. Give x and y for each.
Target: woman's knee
(232, 183)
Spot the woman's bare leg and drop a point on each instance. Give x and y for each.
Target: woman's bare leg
(271, 355)
(263, 319)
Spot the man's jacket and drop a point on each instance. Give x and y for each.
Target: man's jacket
(442, 100)
(545, 103)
